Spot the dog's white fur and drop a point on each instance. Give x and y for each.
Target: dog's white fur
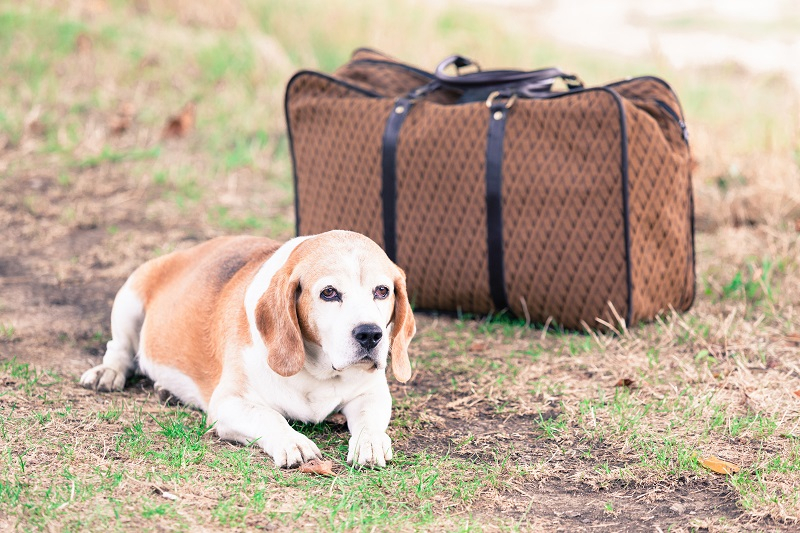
(239, 327)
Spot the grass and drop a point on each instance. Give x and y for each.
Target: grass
(7, 331)
(506, 426)
(158, 463)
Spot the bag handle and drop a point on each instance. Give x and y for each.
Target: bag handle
(533, 80)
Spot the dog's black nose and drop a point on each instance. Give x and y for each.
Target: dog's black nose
(368, 335)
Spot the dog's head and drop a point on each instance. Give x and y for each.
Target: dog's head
(339, 297)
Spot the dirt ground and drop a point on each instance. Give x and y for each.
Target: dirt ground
(57, 284)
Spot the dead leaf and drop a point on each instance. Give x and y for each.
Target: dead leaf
(150, 60)
(142, 7)
(122, 119)
(477, 346)
(625, 382)
(337, 419)
(797, 393)
(83, 44)
(317, 466)
(718, 465)
(793, 338)
(181, 124)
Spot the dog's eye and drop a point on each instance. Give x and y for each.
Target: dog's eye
(381, 292)
(329, 294)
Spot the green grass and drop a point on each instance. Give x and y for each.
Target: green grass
(160, 459)
(110, 156)
(7, 331)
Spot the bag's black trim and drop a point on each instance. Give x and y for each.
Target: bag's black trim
(289, 130)
(626, 208)
(401, 66)
(494, 204)
(391, 136)
(680, 117)
(693, 263)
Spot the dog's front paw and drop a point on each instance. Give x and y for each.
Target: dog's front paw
(103, 378)
(290, 449)
(370, 449)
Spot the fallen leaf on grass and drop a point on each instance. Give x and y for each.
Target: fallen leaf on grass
(626, 382)
(181, 124)
(797, 393)
(477, 346)
(122, 119)
(149, 61)
(718, 465)
(317, 466)
(793, 338)
(83, 44)
(336, 418)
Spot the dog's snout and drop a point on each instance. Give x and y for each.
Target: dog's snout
(368, 335)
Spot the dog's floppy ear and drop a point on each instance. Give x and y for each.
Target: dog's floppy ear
(276, 320)
(403, 330)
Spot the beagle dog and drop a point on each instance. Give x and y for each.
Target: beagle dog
(254, 332)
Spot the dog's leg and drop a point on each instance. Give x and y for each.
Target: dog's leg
(127, 315)
(240, 420)
(367, 419)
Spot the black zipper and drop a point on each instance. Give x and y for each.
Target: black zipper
(671, 112)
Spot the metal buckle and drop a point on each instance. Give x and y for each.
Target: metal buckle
(573, 82)
(497, 94)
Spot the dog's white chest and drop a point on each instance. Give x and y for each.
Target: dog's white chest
(314, 406)
(310, 400)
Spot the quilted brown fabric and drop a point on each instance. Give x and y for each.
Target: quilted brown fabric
(596, 191)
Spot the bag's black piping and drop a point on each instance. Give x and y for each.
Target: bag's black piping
(421, 73)
(626, 211)
(289, 131)
(693, 264)
(680, 118)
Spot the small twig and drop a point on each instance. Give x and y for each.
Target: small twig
(525, 312)
(620, 320)
(546, 326)
(609, 326)
(591, 332)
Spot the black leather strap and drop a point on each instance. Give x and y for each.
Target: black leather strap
(536, 79)
(391, 135)
(494, 203)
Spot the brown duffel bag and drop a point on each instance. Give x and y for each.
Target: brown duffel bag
(502, 189)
